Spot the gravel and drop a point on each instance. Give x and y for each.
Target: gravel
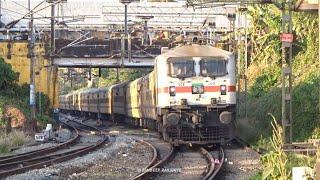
(63, 135)
(240, 163)
(89, 139)
(123, 157)
(187, 164)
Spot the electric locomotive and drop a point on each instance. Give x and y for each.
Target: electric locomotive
(196, 94)
(189, 97)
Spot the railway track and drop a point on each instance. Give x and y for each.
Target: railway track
(16, 164)
(163, 153)
(153, 171)
(21, 156)
(215, 164)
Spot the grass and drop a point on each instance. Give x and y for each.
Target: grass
(14, 139)
(257, 176)
(276, 163)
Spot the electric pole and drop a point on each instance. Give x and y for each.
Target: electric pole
(52, 29)
(287, 41)
(54, 69)
(246, 63)
(32, 77)
(127, 37)
(319, 54)
(0, 12)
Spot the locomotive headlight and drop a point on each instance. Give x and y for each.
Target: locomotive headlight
(172, 90)
(223, 89)
(225, 117)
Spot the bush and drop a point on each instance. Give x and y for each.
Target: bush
(8, 76)
(264, 82)
(45, 103)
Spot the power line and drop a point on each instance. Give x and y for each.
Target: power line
(11, 24)
(27, 8)
(15, 12)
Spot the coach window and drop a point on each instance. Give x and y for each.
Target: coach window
(213, 67)
(181, 68)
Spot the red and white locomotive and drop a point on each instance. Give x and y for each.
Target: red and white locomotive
(190, 96)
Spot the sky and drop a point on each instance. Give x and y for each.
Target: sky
(100, 10)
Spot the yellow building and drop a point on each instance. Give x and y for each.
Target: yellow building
(16, 54)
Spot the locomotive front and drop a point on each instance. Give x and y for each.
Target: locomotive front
(196, 94)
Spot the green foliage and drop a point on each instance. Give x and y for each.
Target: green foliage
(298, 160)
(264, 82)
(8, 76)
(4, 148)
(265, 86)
(109, 76)
(257, 176)
(2, 102)
(275, 161)
(44, 101)
(305, 105)
(265, 30)
(43, 119)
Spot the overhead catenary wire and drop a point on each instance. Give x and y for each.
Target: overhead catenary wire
(27, 8)
(19, 13)
(32, 11)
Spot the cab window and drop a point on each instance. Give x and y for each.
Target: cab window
(213, 67)
(181, 68)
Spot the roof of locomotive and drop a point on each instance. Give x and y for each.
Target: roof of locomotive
(196, 50)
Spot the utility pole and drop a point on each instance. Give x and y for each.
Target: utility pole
(0, 11)
(53, 69)
(52, 29)
(246, 63)
(126, 36)
(32, 122)
(287, 40)
(238, 64)
(126, 20)
(319, 60)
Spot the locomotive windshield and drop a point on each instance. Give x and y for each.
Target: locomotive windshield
(181, 68)
(213, 67)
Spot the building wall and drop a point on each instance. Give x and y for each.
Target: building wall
(16, 54)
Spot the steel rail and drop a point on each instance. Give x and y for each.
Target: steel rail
(211, 162)
(13, 165)
(16, 167)
(53, 160)
(149, 171)
(21, 156)
(218, 168)
(154, 159)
